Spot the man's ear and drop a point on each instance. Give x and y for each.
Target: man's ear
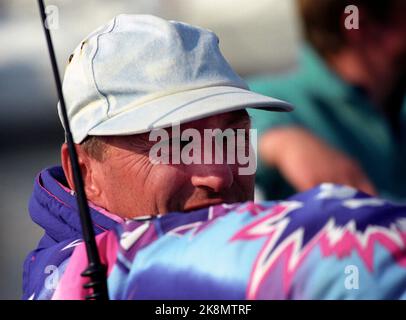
(91, 187)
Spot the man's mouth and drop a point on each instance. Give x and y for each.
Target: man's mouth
(204, 204)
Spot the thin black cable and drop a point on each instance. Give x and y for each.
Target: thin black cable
(95, 270)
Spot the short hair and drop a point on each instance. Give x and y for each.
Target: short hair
(322, 20)
(95, 147)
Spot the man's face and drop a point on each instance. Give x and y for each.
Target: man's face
(131, 185)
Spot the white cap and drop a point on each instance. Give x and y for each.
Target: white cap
(140, 72)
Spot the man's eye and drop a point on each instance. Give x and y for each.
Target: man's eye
(178, 143)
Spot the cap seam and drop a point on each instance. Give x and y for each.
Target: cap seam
(131, 105)
(151, 125)
(162, 96)
(92, 66)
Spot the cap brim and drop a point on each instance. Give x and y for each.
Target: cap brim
(184, 107)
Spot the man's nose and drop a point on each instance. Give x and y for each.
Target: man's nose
(217, 177)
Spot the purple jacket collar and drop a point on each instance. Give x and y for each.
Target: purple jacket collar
(54, 209)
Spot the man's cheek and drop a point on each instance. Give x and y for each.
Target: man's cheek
(166, 184)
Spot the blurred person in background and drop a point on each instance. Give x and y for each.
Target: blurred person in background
(349, 125)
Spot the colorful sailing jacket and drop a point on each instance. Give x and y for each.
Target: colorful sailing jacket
(330, 242)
